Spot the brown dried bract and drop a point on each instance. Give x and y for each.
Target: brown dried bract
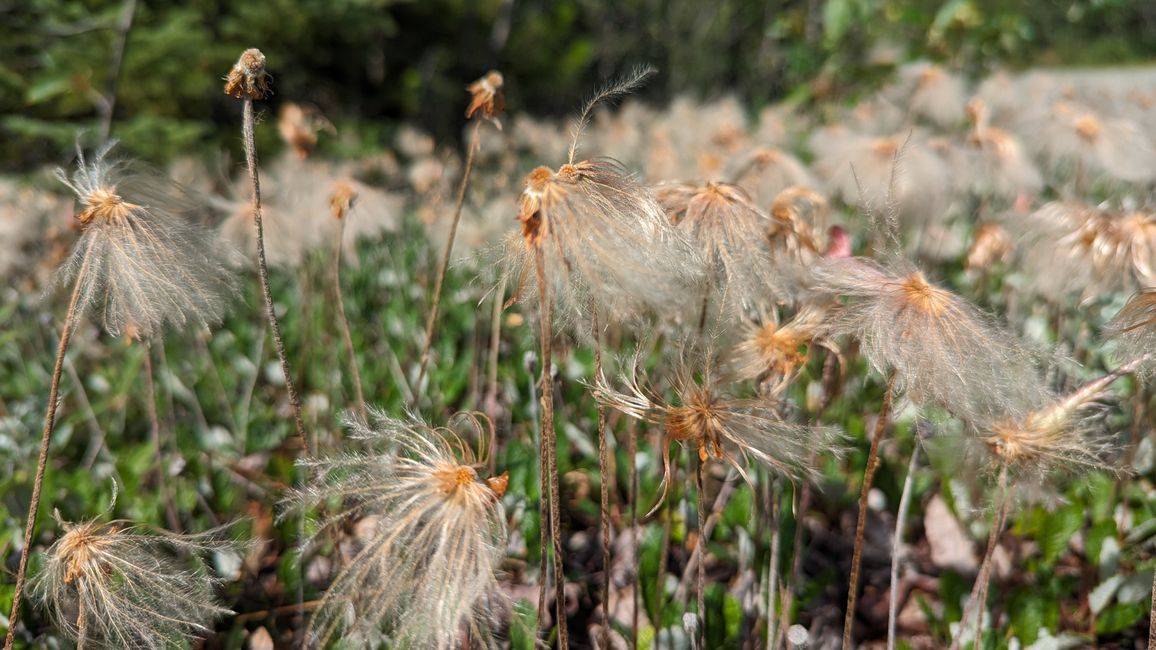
(248, 78)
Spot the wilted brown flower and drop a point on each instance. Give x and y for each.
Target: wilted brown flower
(992, 244)
(486, 96)
(248, 78)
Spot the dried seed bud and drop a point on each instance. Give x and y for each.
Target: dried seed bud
(248, 78)
(486, 96)
(342, 198)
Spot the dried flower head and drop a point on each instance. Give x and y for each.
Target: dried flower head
(798, 214)
(998, 168)
(1100, 250)
(721, 427)
(1064, 435)
(425, 572)
(942, 349)
(773, 353)
(732, 233)
(299, 125)
(605, 242)
(486, 97)
(992, 244)
(117, 585)
(248, 78)
(1134, 329)
(764, 173)
(141, 262)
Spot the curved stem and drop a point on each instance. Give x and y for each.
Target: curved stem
(343, 323)
(431, 319)
(773, 566)
(897, 547)
(42, 460)
(632, 448)
(263, 273)
(861, 524)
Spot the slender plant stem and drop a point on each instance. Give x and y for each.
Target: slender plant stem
(797, 544)
(663, 555)
(550, 445)
(431, 319)
(773, 566)
(263, 274)
(42, 461)
(993, 538)
(861, 524)
(700, 575)
(898, 548)
(632, 448)
(343, 322)
(1152, 618)
(155, 435)
(81, 623)
(605, 473)
(495, 350)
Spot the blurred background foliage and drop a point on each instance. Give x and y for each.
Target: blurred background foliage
(370, 64)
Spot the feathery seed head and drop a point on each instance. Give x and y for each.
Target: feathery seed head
(604, 242)
(426, 571)
(248, 78)
(732, 233)
(341, 199)
(943, 349)
(1062, 435)
(141, 261)
(722, 427)
(773, 353)
(124, 586)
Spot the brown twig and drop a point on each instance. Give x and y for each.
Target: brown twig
(700, 574)
(42, 461)
(550, 445)
(431, 319)
(263, 273)
(861, 524)
(604, 473)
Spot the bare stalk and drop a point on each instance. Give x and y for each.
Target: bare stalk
(495, 347)
(263, 273)
(81, 624)
(861, 524)
(993, 538)
(550, 447)
(431, 319)
(632, 448)
(343, 323)
(773, 568)
(1152, 618)
(700, 577)
(604, 473)
(42, 461)
(898, 549)
(155, 436)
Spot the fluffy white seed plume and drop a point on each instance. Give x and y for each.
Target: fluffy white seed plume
(426, 573)
(141, 264)
(119, 585)
(943, 350)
